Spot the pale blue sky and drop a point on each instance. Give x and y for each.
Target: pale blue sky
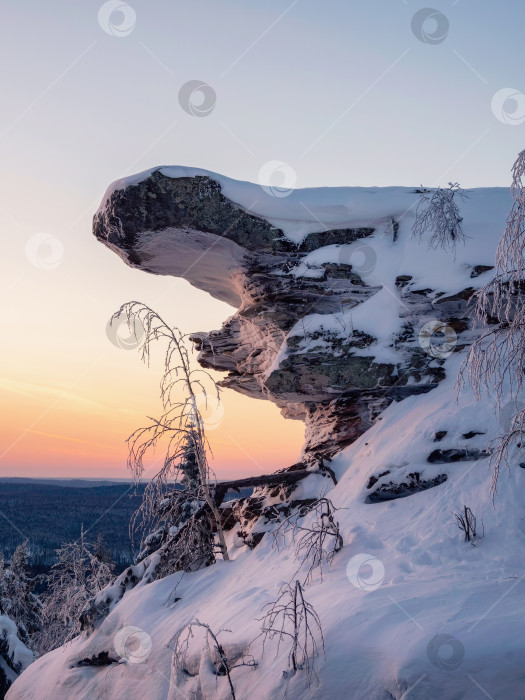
(342, 91)
(278, 98)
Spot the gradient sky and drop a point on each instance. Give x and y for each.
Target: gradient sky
(342, 91)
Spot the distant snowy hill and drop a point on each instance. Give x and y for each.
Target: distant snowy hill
(339, 309)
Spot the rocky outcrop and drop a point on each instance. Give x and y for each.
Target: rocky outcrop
(330, 379)
(408, 485)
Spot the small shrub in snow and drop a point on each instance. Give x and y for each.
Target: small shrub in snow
(438, 213)
(466, 521)
(292, 619)
(317, 539)
(219, 663)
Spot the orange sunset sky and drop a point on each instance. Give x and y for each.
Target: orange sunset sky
(72, 397)
(82, 107)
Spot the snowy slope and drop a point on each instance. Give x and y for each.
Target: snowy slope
(376, 640)
(408, 608)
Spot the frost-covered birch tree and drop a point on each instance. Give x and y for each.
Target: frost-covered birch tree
(189, 517)
(496, 361)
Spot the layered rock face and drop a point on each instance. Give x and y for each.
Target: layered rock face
(276, 346)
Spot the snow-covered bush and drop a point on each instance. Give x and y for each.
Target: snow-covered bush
(438, 213)
(188, 647)
(17, 599)
(19, 617)
(315, 534)
(292, 619)
(182, 521)
(15, 657)
(81, 572)
(496, 359)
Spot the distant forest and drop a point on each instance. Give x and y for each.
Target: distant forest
(50, 515)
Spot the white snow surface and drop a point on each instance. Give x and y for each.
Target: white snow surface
(376, 640)
(422, 579)
(318, 208)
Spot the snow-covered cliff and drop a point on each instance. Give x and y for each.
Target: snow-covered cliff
(331, 289)
(338, 309)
